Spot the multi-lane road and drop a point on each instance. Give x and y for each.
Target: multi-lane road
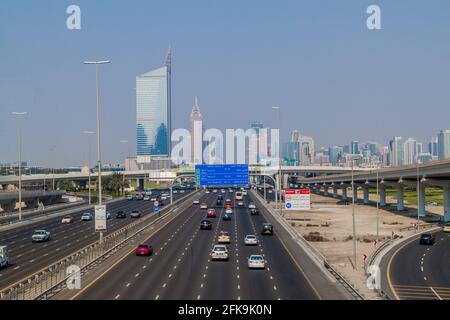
(27, 258)
(415, 272)
(181, 267)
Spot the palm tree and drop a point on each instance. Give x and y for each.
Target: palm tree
(115, 183)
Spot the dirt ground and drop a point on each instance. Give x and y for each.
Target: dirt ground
(328, 226)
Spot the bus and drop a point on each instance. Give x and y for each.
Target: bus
(238, 196)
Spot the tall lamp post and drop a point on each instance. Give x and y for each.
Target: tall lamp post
(99, 161)
(279, 160)
(19, 137)
(353, 211)
(88, 133)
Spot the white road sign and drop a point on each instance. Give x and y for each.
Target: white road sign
(100, 218)
(297, 199)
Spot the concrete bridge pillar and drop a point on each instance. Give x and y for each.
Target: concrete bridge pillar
(335, 195)
(325, 190)
(355, 193)
(422, 209)
(366, 195)
(32, 204)
(382, 192)
(344, 193)
(447, 203)
(8, 206)
(140, 184)
(58, 185)
(400, 201)
(285, 181)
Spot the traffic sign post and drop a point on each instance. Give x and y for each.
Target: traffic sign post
(297, 199)
(100, 218)
(221, 175)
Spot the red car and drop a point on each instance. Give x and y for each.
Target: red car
(211, 213)
(144, 249)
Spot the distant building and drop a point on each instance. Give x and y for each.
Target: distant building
(196, 134)
(153, 109)
(396, 152)
(291, 153)
(443, 141)
(354, 147)
(433, 147)
(335, 154)
(306, 148)
(412, 149)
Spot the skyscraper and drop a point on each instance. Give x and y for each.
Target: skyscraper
(444, 144)
(433, 147)
(153, 110)
(354, 147)
(196, 134)
(411, 151)
(396, 151)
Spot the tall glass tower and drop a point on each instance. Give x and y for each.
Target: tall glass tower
(153, 109)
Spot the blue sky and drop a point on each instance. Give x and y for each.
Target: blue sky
(334, 79)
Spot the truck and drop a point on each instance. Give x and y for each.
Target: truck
(4, 258)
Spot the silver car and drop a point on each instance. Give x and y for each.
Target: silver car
(256, 261)
(250, 240)
(87, 216)
(40, 236)
(219, 252)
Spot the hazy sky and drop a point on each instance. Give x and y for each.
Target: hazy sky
(334, 79)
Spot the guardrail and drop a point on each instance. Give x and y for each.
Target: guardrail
(314, 253)
(46, 282)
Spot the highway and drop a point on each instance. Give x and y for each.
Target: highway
(27, 257)
(181, 268)
(419, 272)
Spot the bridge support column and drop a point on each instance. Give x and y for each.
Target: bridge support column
(285, 181)
(355, 193)
(325, 190)
(335, 195)
(366, 195)
(31, 204)
(382, 192)
(447, 203)
(422, 209)
(141, 184)
(344, 193)
(8, 207)
(400, 201)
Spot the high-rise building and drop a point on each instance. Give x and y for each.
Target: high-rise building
(433, 147)
(443, 144)
(335, 154)
(256, 144)
(306, 148)
(354, 147)
(411, 152)
(396, 151)
(291, 153)
(196, 134)
(153, 109)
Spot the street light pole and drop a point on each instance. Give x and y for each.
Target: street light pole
(279, 161)
(418, 192)
(353, 216)
(99, 161)
(123, 175)
(89, 163)
(19, 136)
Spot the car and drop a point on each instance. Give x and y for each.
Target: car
(108, 215)
(181, 191)
(228, 211)
(139, 197)
(129, 198)
(256, 261)
(121, 214)
(66, 220)
(211, 213)
(432, 204)
(214, 191)
(204, 205)
(207, 191)
(87, 216)
(205, 225)
(219, 252)
(244, 192)
(146, 198)
(153, 199)
(224, 237)
(226, 217)
(446, 227)
(270, 191)
(40, 236)
(427, 238)
(254, 212)
(252, 205)
(228, 206)
(135, 214)
(144, 249)
(175, 191)
(267, 229)
(196, 202)
(223, 191)
(240, 203)
(250, 240)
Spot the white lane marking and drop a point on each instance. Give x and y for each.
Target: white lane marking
(170, 275)
(198, 297)
(434, 291)
(201, 286)
(16, 268)
(157, 297)
(137, 275)
(117, 297)
(164, 285)
(128, 284)
(275, 288)
(421, 268)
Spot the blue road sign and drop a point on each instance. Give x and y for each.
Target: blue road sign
(156, 209)
(221, 175)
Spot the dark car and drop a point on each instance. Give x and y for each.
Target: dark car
(226, 217)
(135, 214)
(254, 211)
(121, 214)
(206, 225)
(427, 238)
(267, 229)
(144, 249)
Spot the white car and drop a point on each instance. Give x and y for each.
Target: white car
(223, 191)
(228, 211)
(129, 198)
(214, 191)
(67, 220)
(87, 216)
(250, 240)
(207, 191)
(196, 202)
(40, 236)
(153, 199)
(244, 192)
(256, 261)
(108, 215)
(252, 205)
(175, 191)
(163, 198)
(146, 198)
(240, 203)
(270, 191)
(182, 191)
(219, 252)
(204, 206)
